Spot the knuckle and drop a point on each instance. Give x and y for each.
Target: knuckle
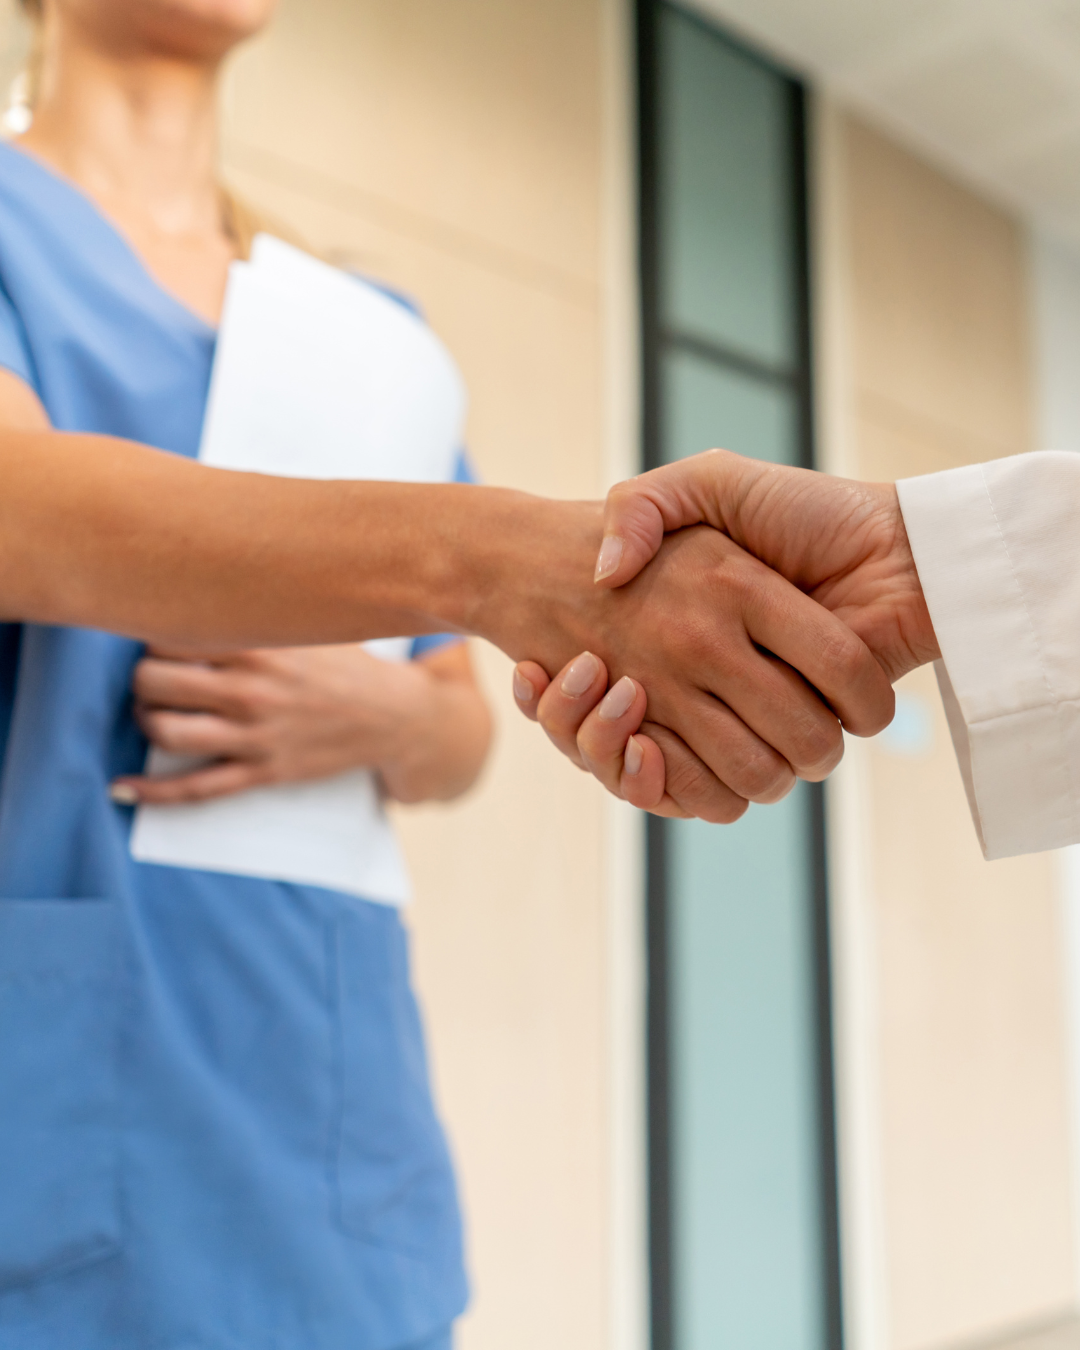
(250, 701)
(597, 745)
(724, 811)
(819, 745)
(695, 789)
(560, 734)
(259, 752)
(622, 493)
(846, 656)
(545, 715)
(687, 779)
(742, 581)
(639, 795)
(883, 713)
(246, 693)
(162, 731)
(691, 785)
(762, 776)
(699, 794)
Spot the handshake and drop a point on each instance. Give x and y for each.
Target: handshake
(755, 611)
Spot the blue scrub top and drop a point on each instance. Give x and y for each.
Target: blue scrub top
(216, 1127)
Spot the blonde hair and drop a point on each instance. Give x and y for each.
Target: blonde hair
(243, 222)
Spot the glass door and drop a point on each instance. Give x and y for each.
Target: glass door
(743, 1196)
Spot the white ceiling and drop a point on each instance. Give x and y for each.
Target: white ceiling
(989, 88)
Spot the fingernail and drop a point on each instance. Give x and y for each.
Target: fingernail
(617, 700)
(523, 690)
(634, 757)
(124, 794)
(581, 675)
(611, 551)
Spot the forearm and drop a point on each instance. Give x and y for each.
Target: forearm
(105, 533)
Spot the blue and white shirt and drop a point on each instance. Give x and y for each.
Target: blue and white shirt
(216, 1127)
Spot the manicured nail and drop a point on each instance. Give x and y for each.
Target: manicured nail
(579, 679)
(523, 690)
(617, 700)
(611, 551)
(124, 794)
(634, 757)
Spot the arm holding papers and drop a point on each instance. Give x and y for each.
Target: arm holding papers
(316, 374)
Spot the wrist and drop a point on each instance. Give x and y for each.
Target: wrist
(916, 624)
(405, 717)
(527, 580)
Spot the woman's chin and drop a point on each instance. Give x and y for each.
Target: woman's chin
(193, 30)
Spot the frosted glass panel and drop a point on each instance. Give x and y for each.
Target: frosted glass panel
(747, 1205)
(726, 196)
(708, 406)
(746, 1221)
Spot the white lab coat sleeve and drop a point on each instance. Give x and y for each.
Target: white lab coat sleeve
(997, 548)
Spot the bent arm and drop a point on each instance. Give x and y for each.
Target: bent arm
(297, 714)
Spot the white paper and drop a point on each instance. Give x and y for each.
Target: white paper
(316, 375)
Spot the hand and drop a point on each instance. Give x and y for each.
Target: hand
(714, 636)
(841, 542)
(596, 730)
(263, 717)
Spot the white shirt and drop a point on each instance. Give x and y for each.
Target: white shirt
(997, 548)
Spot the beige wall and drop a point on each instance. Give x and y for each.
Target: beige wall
(455, 151)
(465, 153)
(961, 986)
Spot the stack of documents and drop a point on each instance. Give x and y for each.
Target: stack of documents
(317, 375)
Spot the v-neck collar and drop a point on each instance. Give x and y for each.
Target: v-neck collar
(58, 179)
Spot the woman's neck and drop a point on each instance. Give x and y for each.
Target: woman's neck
(139, 135)
(140, 131)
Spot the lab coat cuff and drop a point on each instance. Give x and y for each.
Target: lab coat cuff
(1005, 720)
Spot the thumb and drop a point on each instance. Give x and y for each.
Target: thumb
(639, 512)
(634, 528)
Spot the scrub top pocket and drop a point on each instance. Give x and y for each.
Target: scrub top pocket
(395, 1185)
(61, 980)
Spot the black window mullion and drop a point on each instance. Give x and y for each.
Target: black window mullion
(657, 1051)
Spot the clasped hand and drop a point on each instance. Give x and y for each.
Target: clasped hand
(256, 718)
(818, 608)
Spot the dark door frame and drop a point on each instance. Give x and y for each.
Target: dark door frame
(654, 340)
